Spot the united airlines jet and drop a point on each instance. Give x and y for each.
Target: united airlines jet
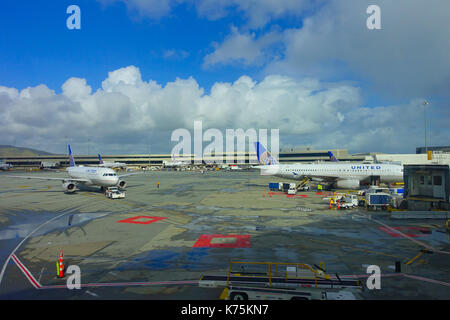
(89, 176)
(337, 174)
(112, 165)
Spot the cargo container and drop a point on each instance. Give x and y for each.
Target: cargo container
(274, 186)
(377, 200)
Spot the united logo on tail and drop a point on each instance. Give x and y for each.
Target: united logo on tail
(332, 157)
(264, 156)
(71, 159)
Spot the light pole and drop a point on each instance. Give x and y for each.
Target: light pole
(425, 103)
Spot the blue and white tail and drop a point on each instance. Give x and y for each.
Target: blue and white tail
(264, 156)
(100, 161)
(71, 159)
(332, 157)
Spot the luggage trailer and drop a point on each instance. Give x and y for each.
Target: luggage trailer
(281, 281)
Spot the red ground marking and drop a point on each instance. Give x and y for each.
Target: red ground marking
(417, 231)
(287, 195)
(297, 195)
(148, 220)
(272, 193)
(242, 241)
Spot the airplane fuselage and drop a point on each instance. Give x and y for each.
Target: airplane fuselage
(104, 177)
(387, 172)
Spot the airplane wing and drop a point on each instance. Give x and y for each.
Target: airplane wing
(48, 178)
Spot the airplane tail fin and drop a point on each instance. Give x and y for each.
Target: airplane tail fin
(332, 157)
(264, 156)
(100, 159)
(71, 159)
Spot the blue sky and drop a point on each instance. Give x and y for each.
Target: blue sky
(39, 48)
(309, 68)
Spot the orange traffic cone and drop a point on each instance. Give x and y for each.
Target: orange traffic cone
(60, 267)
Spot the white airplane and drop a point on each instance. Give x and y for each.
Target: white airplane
(344, 175)
(88, 176)
(177, 163)
(110, 164)
(5, 166)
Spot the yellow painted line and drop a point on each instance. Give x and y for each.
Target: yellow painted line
(23, 187)
(415, 258)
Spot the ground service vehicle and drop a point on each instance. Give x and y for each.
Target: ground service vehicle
(114, 193)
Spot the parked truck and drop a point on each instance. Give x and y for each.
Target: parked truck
(292, 189)
(348, 201)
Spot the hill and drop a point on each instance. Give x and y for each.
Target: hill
(11, 151)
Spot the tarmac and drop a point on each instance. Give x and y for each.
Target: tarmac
(158, 242)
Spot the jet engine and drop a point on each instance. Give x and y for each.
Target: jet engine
(69, 187)
(122, 184)
(348, 184)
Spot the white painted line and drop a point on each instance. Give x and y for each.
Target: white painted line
(26, 272)
(25, 239)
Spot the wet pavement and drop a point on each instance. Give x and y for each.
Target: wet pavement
(209, 220)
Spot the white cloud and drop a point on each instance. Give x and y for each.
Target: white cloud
(244, 48)
(128, 113)
(408, 58)
(257, 13)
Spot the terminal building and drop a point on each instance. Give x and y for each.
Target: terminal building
(286, 155)
(296, 155)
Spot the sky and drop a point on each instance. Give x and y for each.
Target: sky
(137, 70)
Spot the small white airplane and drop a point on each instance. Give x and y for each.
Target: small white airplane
(177, 163)
(110, 164)
(88, 176)
(5, 166)
(344, 175)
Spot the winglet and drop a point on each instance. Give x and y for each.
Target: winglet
(100, 159)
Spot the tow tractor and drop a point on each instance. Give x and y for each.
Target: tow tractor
(281, 281)
(114, 193)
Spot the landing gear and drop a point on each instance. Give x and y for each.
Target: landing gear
(375, 180)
